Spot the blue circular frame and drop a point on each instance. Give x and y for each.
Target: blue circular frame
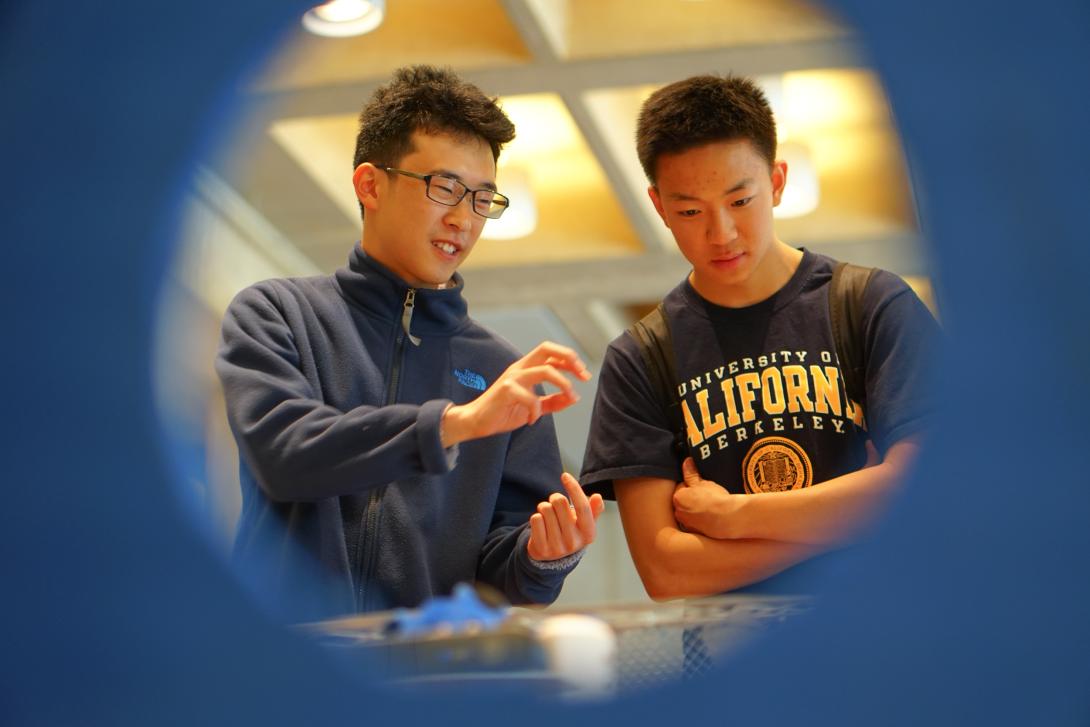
(970, 606)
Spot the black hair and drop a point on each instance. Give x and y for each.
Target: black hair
(701, 110)
(433, 100)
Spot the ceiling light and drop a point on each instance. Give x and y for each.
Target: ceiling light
(520, 219)
(343, 18)
(800, 196)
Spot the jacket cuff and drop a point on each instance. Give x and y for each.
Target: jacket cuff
(567, 563)
(548, 568)
(435, 458)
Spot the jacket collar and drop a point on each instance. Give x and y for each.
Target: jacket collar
(378, 291)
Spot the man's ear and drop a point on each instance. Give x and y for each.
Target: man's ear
(366, 182)
(657, 201)
(779, 180)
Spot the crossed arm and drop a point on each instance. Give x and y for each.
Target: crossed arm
(694, 538)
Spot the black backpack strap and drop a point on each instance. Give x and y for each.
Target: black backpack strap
(846, 314)
(657, 348)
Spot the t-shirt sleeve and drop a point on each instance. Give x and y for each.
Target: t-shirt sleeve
(629, 433)
(902, 340)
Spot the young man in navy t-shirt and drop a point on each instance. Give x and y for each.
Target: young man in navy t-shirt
(762, 394)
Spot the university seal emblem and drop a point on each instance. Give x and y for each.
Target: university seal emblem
(775, 464)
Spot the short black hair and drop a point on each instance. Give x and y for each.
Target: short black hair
(429, 99)
(701, 110)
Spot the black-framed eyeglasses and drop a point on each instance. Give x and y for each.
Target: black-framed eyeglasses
(449, 191)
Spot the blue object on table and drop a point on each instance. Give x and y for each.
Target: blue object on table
(460, 611)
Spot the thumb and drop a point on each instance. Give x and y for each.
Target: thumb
(597, 505)
(688, 471)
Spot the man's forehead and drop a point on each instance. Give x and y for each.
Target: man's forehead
(424, 136)
(449, 152)
(689, 192)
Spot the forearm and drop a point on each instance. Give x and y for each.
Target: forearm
(830, 513)
(682, 564)
(301, 450)
(673, 563)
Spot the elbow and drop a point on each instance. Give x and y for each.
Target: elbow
(661, 585)
(660, 594)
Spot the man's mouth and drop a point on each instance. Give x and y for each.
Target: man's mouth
(446, 246)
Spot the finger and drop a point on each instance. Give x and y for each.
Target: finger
(557, 402)
(565, 358)
(688, 471)
(680, 496)
(552, 529)
(565, 517)
(583, 373)
(538, 537)
(575, 493)
(542, 375)
(584, 516)
(535, 411)
(597, 505)
(679, 516)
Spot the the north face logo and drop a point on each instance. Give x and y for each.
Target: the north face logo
(471, 379)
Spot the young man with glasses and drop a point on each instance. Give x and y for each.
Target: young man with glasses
(391, 447)
(774, 469)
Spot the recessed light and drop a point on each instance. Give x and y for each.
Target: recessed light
(343, 18)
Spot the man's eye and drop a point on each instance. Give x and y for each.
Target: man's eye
(445, 187)
(689, 213)
(741, 202)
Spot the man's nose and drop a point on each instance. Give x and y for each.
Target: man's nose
(721, 228)
(460, 216)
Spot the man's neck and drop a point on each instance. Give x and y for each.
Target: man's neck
(417, 284)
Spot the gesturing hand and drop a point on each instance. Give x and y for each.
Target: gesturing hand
(511, 401)
(701, 505)
(563, 525)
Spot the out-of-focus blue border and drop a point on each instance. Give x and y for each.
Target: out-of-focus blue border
(970, 608)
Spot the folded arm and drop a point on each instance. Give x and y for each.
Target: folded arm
(673, 563)
(831, 513)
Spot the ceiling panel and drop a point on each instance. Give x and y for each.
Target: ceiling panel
(602, 28)
(468, 33)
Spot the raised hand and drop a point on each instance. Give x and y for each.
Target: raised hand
(701, 505)
(511, 401)
(563, 525)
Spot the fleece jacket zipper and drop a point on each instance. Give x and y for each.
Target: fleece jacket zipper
(370, 518)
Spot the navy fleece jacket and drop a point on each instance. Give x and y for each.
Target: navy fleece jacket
(349, 501)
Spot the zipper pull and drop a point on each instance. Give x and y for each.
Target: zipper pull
(407, 315)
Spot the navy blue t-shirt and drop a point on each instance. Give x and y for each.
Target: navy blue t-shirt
(761, 389)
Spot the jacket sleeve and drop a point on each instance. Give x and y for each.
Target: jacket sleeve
(299, 448)
(531, 473)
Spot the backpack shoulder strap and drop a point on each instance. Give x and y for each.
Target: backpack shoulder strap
(652, 333)
(846, 314)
